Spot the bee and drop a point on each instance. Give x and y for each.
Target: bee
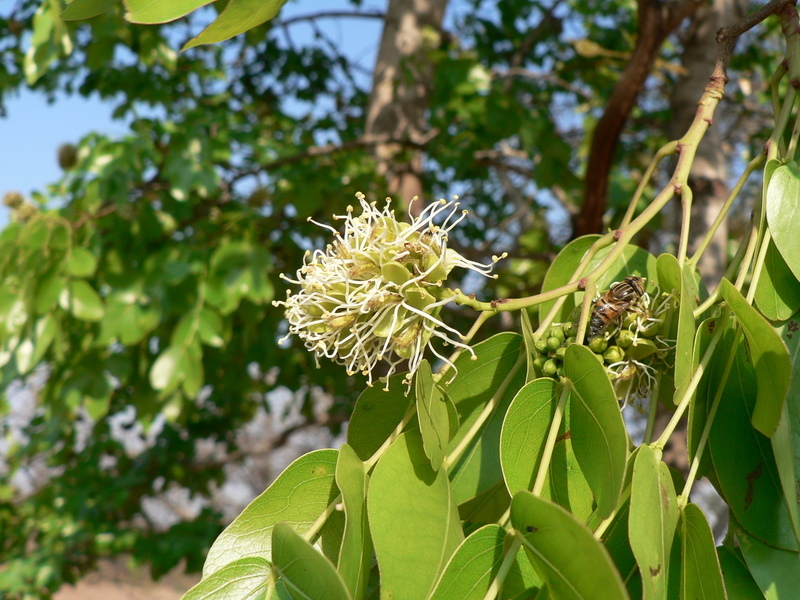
(612, 304)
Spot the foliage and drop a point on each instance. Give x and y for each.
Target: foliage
(511, 475)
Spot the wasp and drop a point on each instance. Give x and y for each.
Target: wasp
(612, 304)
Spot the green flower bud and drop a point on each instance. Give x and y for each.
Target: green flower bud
(613, 354)
(569, 340)
(598, 344)
(541, 346)
(557, 332)
(560, 353)
(568, 329)
(550, 368)
(651, 329)
(625, 338)
(553, 343)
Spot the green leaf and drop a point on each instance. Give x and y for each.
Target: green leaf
(355, 556)
(778, 291)
(776, 571)
(432, 415)
(30, 351)
(768, 354)
(617, 542)
(150, 12)
(210, 328)
(413, 519)
(80, 299)
(243, 578)
(783, 208)
(652, 521)
(376, 415)
(743, 461)
(166, 372)
(306, 572)
(499, 363)
(564, 552)
(786, 441)
(560, 273)
(599, 437)
(298, 496)
(522, 442)
(238, 17)
(701, 576)
(475, 564)
(86, 9)
(81, 263)
(698, 408)
(671, 279)
(739, 583)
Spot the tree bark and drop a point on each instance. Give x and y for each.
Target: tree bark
(656, 21)
(400, 89)
(711, 168)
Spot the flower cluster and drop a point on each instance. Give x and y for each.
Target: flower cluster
(376, 292)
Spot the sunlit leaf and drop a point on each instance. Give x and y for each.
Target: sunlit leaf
(783, 208)
(701, 576)
(238, 17)
(80, 299)
(243, 578)
(778, 291)
(432, 415)
(560, 272)
(86, 9)
(599, 437)
(355, 556)
(160, 11)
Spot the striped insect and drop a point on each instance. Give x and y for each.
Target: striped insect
(611, 305)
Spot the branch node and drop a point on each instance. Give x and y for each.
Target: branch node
(617, 235)
(582, 284)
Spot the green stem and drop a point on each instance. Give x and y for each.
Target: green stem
(552, 436)
(372, 460)
(690, 390)
(494, 401)
(757, 162)
(701, 445)
(482, 318)
(312, 532)
(686, 219)
(744, 267)
(505, 567)
(758, 267)
(665, 150)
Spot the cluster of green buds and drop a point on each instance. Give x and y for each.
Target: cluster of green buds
(632, 351)
(376, 293)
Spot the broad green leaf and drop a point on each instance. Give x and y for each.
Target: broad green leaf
(376, 415)
(306, 572)
(786, 441)
(150, 12)
(48, 289)
(704, 396)
(617, 542)
(210, 328)
(243, 578)
(487, 507)
(166, 372)
(652, 521)
(564, 552)
(238, 17)
(80, 299)
(701, 576)
(81, 263)
(783, 208)
(432, 414)
(355, 556)
(498, 370)
(298, 496)
(739, 583)
(413, 519)
(599, 438)
(671, 279)
(86, 9)
(31, 350)
(475, 564)
(560, 273)
(776, 570)
(768, 354)
(743, 461)
(778, 291)
(522, 442)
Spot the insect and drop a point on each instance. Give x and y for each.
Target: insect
(612, 304)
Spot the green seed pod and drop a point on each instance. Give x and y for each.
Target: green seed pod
(598, 345)
(557, 332)
(553, 343)
(541, 346)
(560, 353)
(550, 368)
(568, 329)
(613, 354)
(625, 338)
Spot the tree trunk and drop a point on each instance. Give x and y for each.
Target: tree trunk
(711, 168)
(400, 89)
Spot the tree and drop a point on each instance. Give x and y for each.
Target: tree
(150, 287)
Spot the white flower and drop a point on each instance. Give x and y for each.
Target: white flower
(376, 292)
